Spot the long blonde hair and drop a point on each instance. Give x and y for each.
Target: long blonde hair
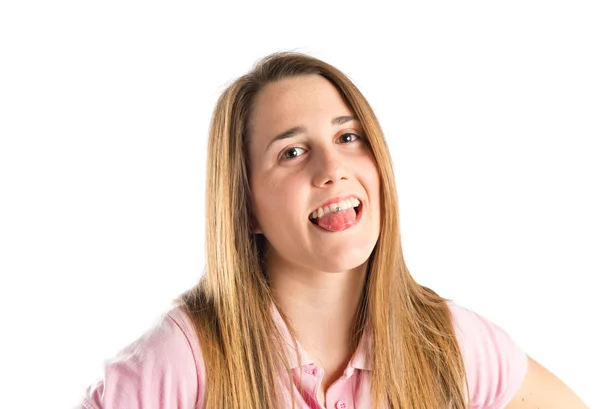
(415, 355)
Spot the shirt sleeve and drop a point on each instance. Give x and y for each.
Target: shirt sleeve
(495, 365)
(162, 369)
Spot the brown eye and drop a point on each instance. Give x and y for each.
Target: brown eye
(348, 137)
(291, 153)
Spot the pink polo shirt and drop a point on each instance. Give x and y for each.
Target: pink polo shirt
(164, 369)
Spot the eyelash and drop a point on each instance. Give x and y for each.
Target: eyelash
(284, 158)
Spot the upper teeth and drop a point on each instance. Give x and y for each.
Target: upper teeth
(335, 207)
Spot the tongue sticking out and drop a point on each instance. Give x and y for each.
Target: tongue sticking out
(337, 221)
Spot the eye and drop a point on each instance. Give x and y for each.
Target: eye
(291, 153)
(349, 137)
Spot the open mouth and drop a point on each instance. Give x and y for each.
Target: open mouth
(357, 209)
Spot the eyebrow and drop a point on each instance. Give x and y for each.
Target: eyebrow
(340, 120)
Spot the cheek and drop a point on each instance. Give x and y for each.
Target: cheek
(268, 201)
(371, 174)
(280, 205)
(260, 205)
(374, 183)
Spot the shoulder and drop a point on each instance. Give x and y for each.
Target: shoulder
(161, 369)
(495, 365)
(185, 330)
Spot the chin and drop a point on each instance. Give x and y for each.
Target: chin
(342, 263)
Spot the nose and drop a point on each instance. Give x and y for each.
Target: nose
(329, 168)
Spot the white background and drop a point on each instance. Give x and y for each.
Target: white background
(491, 112)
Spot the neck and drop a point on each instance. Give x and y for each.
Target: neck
(322, 308)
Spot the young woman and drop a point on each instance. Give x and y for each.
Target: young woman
(306, 301)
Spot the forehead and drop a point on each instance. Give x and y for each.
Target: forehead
(295, 101)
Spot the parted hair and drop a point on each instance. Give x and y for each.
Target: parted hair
(416, 359)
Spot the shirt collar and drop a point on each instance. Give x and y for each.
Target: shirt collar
(361, 359)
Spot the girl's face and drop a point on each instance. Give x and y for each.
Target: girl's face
(306, 151)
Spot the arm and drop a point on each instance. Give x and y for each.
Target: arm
(163, 369)
(500, 374)
(541, 389)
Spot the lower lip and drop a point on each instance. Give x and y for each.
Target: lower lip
(345, 227)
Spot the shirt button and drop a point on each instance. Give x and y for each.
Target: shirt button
(309, 371)
(341, 404)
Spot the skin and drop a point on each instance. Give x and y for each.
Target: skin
(541, 389)
(317, 276)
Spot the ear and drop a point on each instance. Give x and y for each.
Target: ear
(254, 229)
(254, 226)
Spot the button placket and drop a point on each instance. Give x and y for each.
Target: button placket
(309, 371)
(341, 404)
(319, 372)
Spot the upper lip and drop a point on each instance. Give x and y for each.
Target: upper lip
(336, 199)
